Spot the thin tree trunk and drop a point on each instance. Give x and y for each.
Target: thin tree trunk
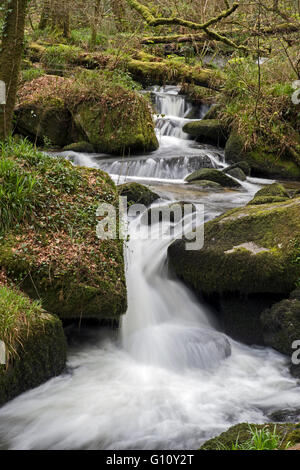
(10, 60)
(45, 16)
(94, 24)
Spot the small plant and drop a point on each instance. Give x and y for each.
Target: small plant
(260, 439)
(31, 74)
(58, 56)
(16, 314)
(17, 192)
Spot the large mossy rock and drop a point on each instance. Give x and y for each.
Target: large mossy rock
(281, 324)
(262, 162)
(118, 130)
(249, 260)
(209, 174)
(240, 434)
(272, 193)
(208, 131)
(137, 194)
(50, 125)
(83, 147)
(64, 111)
(35, 344)
(53, 252)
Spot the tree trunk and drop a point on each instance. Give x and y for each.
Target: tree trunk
(45, 16)
(119, 13)
(94, 23)
(10, 60)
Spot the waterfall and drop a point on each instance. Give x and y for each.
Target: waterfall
(171, 379)
(177, 155)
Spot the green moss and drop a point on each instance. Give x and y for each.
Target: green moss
(206, 184)
(172, 72)
(137, 194)
(226, 266)
(35, 344)
(271, 193)
(118, 129)
(91, 108)
(241, 433)
(281, 325)
(292, 438)
(216, 176)
(248, 261)
(55, 254)
(207, 130)
(262, 161)
(84, 147)
(266, 200)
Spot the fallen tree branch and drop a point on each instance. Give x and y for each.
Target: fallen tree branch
(183, 38)
(153, 21)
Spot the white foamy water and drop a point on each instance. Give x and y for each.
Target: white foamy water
(170, 379)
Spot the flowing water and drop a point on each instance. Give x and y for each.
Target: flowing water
(169, 379)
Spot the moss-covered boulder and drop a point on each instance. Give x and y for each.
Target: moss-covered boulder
(34, 341)
(281, 324)
(42, 113)
(249, 260)
(206, 184)
(84, 147)
(262, 161)
(210, 174)
(50, 246)
(208, 130)
(125, 129)
(238, 437)
(89, 108)
(272, 193)
(137, 194)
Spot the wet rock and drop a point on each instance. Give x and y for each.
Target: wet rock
(216, 176)
(263, 162)
(270, 194)
(207, 130)
(246, 265)
(281, 324)
(236, 173)
(244, 166)
(137, 194)
(38, 345)
(205, 184)
(84, 147)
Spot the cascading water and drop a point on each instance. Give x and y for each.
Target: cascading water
(176, 157)
(171, 379)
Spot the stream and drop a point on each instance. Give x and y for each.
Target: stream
(169, 378)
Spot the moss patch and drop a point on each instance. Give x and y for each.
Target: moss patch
(240, 433)
(207, 130)
(216, 176)
(91, 108)
(53, 252)
(137, 194)
(35, 343)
